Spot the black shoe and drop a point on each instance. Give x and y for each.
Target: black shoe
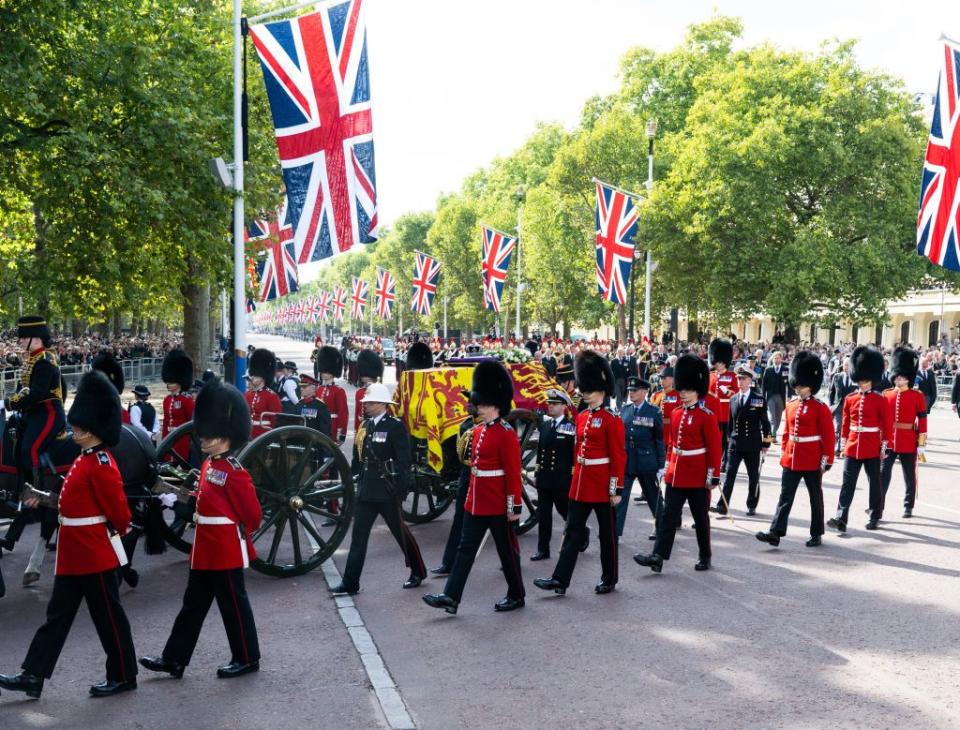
(7, 544)
(237, 669)
(908, 512)
(702, 565)
(815, 541)
(638, 500)
(653, 561)
(872, 525)
(509, 604)
(23, 682)
(441, 600)
(441, 570)
(751, 512)
(652, 536)
(550, 584)
(586, 542)
(836, 524)
(51, 547)
(714, 507)
(768, 537)
(602, 588)
(108, 688)
(540, 555)
(413, 581)
(341, 590)
(132, 578)
(159, 664)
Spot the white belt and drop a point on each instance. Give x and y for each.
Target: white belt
(593, 462)
(689, 452)
(804, 439)
(724, 400)
(82, 521)
(866, 429)
(207, 520)
(487, 472)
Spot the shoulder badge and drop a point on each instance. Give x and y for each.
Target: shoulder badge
(506, 425)
(234, 462)
(103, 458)
(703, 407)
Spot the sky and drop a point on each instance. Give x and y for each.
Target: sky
(457, 82)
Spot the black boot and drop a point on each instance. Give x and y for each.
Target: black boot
(768, 537)
(540, 555)
(237, 669)
(23, 681)
(109, 688)
(654, 561)
(441, 600)
(159, 664)
(550, 584)
(702, 564)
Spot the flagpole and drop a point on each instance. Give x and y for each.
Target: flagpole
(239, 298)
(638, 196)
(651, 133)
(521, 194)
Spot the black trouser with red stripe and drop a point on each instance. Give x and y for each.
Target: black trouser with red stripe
(101, 592)
(851, 472)
(908, 463)
(364, 515)
(504, 537)
(228, 588)
(575, 535)
(789, 482)
(673, 498)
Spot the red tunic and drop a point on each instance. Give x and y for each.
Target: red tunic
(335, 399)
(225, 491)
(866, 411)
(808, 439)
(262, 402)
(358, 408)
(668, 404)
(177, 410)
(93, 487)
(723, 386)
(908, 409)
(494, 448)
(125, 416)
(600, 436)
(693, 429)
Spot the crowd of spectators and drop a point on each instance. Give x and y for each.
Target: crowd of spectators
(81, 350)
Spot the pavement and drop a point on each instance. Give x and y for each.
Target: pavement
(861, 632)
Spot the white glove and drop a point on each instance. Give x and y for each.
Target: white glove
(660, 474)
(168, 500)
(921, 450)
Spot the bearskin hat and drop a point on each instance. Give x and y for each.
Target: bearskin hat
(691, 373)
(33, 325)
(96, 408)
(369, 365)
(905, 362)
(222, 412)
(866, 363)
(329, 360)
(492, 386)
(721, 351)
(108, 365)
(807, 370)
(419, 356)
(262, 364)
(532, 347)
(593, 373)
(177, 368)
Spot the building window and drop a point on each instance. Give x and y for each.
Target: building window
(934, 333)
(833, 334)
(905, 333)
(878, 335)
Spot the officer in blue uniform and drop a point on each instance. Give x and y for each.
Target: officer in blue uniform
(646, 455)
(557, 437)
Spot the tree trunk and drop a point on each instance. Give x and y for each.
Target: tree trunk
(566, 329)
(196, 303)
(621, 323)
(39, 254)
(117, 323)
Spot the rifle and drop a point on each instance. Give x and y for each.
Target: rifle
(173, 480)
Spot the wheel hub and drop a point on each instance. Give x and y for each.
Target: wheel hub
(296, 503)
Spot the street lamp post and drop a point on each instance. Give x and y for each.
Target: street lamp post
(521, 195)
(239, 284)
(446, 299)
(651, 133)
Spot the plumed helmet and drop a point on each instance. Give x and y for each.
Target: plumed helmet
(108, 365)
(492, 386)
(329, 360)
(691, 373)
(222, 412)
(96, 408)
(33, 325)
(866, 363)
(721, 351)
(369, 365)
(262, 364)
(593, 373)
(177, 368)
(905, 362)
(564, 373)
(807, 370)
(419, 356)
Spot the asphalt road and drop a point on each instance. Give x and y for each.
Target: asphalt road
(862, 632)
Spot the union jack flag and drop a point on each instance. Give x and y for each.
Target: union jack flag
(339, 303)
(386, 293)
(317, 77)
(497, 248)
(358, 299)
(938, 222)
(426, 272)
(277, 271)
(324, 304)
(616, 221)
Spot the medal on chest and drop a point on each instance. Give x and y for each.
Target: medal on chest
(215, 476)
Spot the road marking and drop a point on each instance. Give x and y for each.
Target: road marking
(391, 703)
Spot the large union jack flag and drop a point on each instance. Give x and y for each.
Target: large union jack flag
(616, 222)
(938, 232)
(339, 303)
(386, 293)
(358, 297)
(497, 248)
(426, 272)
(317, 77)
(277, 269)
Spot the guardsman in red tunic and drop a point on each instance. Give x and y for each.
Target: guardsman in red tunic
(369, 370)
(493, 496)
(227, 514)
(330, 367)
(108, 365)
(262, 400)
(177, 373)
(865, 432)
(807, 449)
(93, 507)
(908, 409)
(723, 385)
(693, 465)
(600, 460)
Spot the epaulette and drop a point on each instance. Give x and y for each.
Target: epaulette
(506, 425)
(234, 462)
(612, 412)
(103, 458)
(703, 407)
